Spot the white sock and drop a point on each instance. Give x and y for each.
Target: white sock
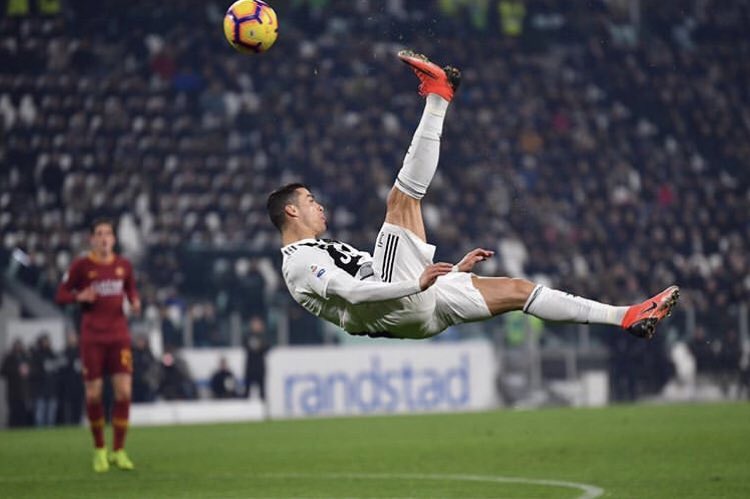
(422, 157)
(554, 305)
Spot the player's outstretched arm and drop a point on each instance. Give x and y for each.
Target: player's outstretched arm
(472, 258)
(355, 291)
(311, 271)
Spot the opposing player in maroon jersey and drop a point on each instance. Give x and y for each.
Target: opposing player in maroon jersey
(99, 282)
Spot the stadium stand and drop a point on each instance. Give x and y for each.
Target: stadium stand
(597, 155)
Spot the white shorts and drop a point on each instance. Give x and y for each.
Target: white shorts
(400, 255)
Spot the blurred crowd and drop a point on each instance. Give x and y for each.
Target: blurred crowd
(44, 387)
(598, 153)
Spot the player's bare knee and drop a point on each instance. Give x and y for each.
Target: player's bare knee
(93, 397)
(392, 205)
(122, 396)
(398, 202)
(522, 288)
(515, 291)
(122, 387)
(405, 212)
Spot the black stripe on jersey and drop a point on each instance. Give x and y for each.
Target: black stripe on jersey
(386, 255)
(289, 250)
(393, 258)
(533, 297)
(389, 257)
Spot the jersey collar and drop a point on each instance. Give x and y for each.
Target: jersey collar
(309, 239)
(92, 256)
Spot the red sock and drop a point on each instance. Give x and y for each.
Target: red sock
(120, 417)
(95, 412)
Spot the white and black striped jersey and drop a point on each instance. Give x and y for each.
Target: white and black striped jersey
(337, 282)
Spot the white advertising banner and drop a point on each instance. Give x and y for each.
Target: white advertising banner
(364, 379)
(28, 330)
(203, 362)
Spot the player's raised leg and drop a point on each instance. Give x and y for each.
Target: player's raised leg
(502, 294)
(437, 85)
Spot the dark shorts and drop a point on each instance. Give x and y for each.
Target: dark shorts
(100, 358)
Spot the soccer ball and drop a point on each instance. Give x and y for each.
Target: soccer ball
(251, 26)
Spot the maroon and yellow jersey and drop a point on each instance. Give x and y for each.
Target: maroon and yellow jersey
(103, 319)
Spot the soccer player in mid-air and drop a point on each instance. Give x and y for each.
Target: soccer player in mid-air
(99, 282)
(398, 292)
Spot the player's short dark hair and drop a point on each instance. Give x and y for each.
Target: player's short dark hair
(278, 199)
(101, 221)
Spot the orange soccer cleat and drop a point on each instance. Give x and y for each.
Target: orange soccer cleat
(435, 80)
(641, 319)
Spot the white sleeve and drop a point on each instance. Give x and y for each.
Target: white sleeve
(324, 279)
(354, 291)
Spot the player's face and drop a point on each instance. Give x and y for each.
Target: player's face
(312, 214)
(103, 240)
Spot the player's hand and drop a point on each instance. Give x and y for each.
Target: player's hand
(136, 306)
(88, 295)
(472, 258)
(432, 272)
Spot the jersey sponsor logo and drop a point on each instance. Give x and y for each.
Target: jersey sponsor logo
(317, 271)
(108, 287)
